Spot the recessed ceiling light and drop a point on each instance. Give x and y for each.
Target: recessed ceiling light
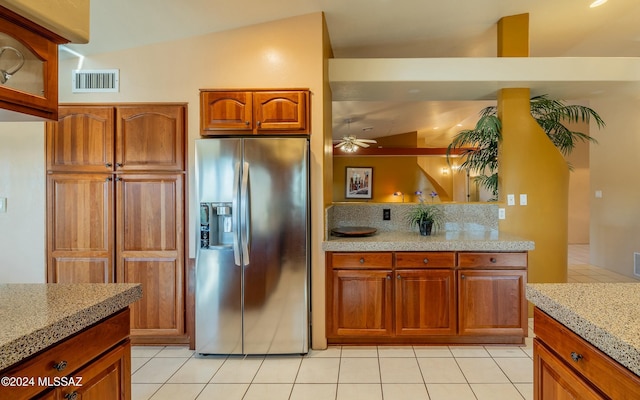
(597, 3)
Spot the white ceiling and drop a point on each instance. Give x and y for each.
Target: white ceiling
(387, 29)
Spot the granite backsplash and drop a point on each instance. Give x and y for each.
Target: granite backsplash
(458, 216)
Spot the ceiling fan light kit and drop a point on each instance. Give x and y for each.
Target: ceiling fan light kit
(350, 144)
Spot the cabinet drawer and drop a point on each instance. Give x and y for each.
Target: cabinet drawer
(425, 259)
(70, 355)
(361, 260)
(613, 379)
(492, 260)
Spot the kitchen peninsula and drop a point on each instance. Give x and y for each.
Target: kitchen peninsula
(65, 340)
(462, 285)
(587, 341)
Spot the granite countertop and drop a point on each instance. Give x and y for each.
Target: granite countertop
(36, 316)
(480, 240)
(604, 314)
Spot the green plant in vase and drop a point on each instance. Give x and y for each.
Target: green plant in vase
(426, 217)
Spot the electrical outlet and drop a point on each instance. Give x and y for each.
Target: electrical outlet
(598, 194)
(511, 200)
(501, 213)
(386, 214)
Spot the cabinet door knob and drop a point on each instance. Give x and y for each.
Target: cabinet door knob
(109, 179)
(462, 276)
(118, 179)
(71, 396)
(108, 165)
(259, 124)
(247, 123)
(388, 277)
(575, 356)
(399, 277)
(425, 261)
(362, 260)
(60, 365)
(493, 260)
(119, 164)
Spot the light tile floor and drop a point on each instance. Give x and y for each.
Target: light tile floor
(352, 373)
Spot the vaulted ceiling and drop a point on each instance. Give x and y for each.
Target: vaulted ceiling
(386, 29)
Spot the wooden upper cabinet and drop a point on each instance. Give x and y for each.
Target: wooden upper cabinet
(254, 112)
(123, 138)
(226, 111)
(29, 81)
(281, 111)
(81, 140)
(150, 137)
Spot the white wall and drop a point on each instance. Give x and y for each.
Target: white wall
(22, 182)
(615, 218)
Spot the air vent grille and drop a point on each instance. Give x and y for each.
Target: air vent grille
(96, 80)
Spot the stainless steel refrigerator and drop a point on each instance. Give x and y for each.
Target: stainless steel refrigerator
(252, 259)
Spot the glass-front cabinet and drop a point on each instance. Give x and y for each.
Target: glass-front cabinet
(28, 69)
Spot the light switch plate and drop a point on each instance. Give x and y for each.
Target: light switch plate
(501, 213)
(511, 200)
(523, 199)
(3, 204)
(598, 194)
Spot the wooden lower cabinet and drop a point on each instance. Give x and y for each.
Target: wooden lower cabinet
(362, 303)
(97, 366)
(425, 297)
(565, 366)
(490, 302)
(425, 302)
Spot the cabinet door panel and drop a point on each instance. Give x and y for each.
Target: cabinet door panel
(150, 137)
(281, 111)
(107, 378)
(82, 270)
(224, 110)
(149, 247)
(149, 212)
(425, 302)
(159, 312)
(81, 139)
(361, 304)
(553, 380)
(491, 302)
(79, 227)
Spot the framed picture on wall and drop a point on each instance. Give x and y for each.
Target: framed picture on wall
(359, 183)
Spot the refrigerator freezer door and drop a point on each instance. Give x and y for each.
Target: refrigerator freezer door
(276, 294)
(218, 278)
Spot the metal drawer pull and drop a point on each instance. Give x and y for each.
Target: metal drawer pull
(575, 356)
(60, 366)
(493, 260)
(362, 260)
(426, 260)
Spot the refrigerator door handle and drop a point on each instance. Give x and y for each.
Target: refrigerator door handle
(234, 219)
(245, 228)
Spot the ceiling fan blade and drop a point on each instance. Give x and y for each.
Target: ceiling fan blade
(367, 140)
(359, 143)
(342, 143)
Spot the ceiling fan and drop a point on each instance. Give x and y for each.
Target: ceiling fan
(351, 143)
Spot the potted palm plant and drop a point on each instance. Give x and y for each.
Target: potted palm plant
(480, 145)
(426, 217)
